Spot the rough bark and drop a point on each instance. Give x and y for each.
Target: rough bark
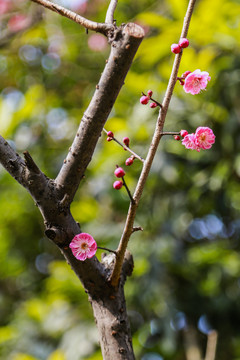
(53, 197)
(111, 316)
(124, 44)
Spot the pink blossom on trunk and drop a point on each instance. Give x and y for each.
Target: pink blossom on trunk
(196, 81)
(83, 246)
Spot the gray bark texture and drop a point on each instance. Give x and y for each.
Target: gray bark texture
(54, 196)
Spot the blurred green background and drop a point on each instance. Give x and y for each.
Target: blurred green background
(186, 281)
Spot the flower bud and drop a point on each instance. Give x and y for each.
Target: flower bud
(175, 48)
(149, 93)
(126, 141)
(144, 100)
(153, 105)
(183, 43)
(109, 138)
(177, 137)
(117, 184)
(110, 134)
(183, 133)
(129, 161)
(119, 172)
(185, 74)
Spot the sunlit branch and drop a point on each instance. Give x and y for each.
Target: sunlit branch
(211, 345)
(150, 156)
(110, 12)
(88, 24)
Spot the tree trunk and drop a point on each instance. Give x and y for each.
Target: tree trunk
(111, 316)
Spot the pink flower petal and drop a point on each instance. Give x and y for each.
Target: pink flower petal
(196, 81)
(189, 142)
(204, 137)
(83, 246)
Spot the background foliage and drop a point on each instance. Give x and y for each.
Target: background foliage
(187, 262)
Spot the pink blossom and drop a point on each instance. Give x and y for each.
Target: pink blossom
(18, 22)
(196, 81)
(189, 142)
(83, 246)
(204, 137)
(5, 6)
(97, 42)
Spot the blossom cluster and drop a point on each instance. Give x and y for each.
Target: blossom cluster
(203, 138)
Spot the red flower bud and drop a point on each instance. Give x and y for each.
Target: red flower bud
(183, 133)
(109, 138)
(110, 134)
(144, 100)
(126, 141)
(185, 74)
(153, 105)
(177, 137)
(119, 172)
(149, 93)
(117, 184)
(183, 43)
(175, 48)
(129, 161)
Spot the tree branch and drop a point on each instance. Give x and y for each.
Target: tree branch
(88, 24)
(94, 118)
(211, 345)
(110, 12)
(11, 161)
(150, 156)
(125, 147)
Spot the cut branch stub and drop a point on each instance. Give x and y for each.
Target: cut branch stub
(124, 44)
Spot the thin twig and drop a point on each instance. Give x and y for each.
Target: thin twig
(88, 24)
(127, 232)
(126, 147)
(103, 248)
(158, 103)
(137, 228)
(110, 12)
(170, 133)
(128, 191)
